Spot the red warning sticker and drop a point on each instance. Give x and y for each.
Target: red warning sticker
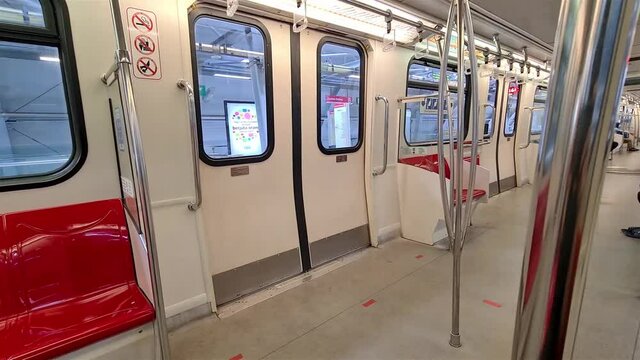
(142, 22)
(147, 67)
(492, 303)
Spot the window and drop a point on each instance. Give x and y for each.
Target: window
(490, 111)
(42, 139)
(421, 125)
(511, 115)
(235, 104)
(341, 94)
(537, 114)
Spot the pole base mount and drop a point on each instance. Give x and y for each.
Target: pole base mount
(454, 341)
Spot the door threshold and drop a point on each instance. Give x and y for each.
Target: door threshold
(247, 301)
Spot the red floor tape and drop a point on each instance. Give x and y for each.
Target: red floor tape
(419, 256)
(368, 303)
(492, 303)
(237, 357)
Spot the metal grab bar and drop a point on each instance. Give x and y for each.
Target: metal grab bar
(385, 153)
(193, 126)
(415, 98)
(531, 109)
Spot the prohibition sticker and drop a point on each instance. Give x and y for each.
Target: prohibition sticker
(142, 22)
(144, 44)
(146, 66)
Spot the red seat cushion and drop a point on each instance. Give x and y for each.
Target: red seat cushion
(477, 193)
(428, 162)
(68, 280)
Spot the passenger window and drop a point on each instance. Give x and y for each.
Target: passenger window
(537, 116)
(235, 105)
(421, 125)
(41, 125)
(490, 111)
(511, 115)
(22, 13)
(340, 102)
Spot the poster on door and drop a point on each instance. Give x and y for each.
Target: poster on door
(342, 125)
(144, 42)
(243, 128)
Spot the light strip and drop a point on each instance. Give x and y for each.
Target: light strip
(49, 58)
(233, 76)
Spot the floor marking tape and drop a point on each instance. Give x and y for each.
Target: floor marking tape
(419, 256)
(368, 303)
(237, 357)
(492, 303)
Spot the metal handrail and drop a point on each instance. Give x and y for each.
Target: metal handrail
(531, 110)
(377, 172)
(122, 70)
(415, 98)
(193, 127)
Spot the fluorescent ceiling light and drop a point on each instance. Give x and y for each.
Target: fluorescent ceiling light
(233, 76)
(335, 54)
(245, 61)
(354, 76)
(49, 58)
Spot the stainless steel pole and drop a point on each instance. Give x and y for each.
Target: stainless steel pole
(125, 86)
(593, 42)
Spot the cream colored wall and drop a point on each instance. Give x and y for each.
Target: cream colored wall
(97, 179)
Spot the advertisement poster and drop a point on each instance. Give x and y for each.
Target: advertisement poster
(243, 128)
(342, 125)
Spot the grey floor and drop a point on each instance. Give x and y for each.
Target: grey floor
(410, 284)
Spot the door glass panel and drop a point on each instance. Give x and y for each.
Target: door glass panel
(537, 116)
(511, 115)
(35, 131)
(490, 111)
(233, 89)
(22, 12)
(341, 85)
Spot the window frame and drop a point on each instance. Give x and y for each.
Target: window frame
(204, 11)
(56, 33)
(534, 105)
(416, 85)
(515, 120)
(362, 93)
(495, 109)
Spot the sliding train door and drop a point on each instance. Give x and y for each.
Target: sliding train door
(532, 113)
(506, 139)
(242, 74)
(332, 116)
(489, 90)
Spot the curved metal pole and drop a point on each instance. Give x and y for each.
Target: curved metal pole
(193, 127)
(125, 85)
(592, 45)
(475, 133)
(444, 55)
(385, 150)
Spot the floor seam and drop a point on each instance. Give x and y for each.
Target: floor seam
(353, 305)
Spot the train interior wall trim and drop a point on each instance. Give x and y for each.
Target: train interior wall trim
(298, 179)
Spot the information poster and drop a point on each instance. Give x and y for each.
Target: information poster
(342, 125)
(243, 128)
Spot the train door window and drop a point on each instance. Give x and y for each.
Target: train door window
(421, 125)
(42, 139)
(340, 97)
(511, 115)
(537, 116)
(235, 103)
(490, 111)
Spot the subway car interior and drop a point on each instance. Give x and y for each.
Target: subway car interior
(319, 179)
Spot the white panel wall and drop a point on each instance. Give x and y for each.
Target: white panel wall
(98, 178)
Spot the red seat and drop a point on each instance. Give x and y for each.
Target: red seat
(66, 280)
(477, 194)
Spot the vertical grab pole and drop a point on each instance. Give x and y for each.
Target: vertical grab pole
(385, 149)
(592, 44)
(123, 72)
(446, 200)
(457, 166)
(475, 135)
(193, 128)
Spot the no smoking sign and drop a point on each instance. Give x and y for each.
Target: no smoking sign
(144, 44)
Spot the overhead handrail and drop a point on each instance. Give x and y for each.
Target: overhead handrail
(385, 149)
(193, 127)
(531, 110)
(457, 221)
